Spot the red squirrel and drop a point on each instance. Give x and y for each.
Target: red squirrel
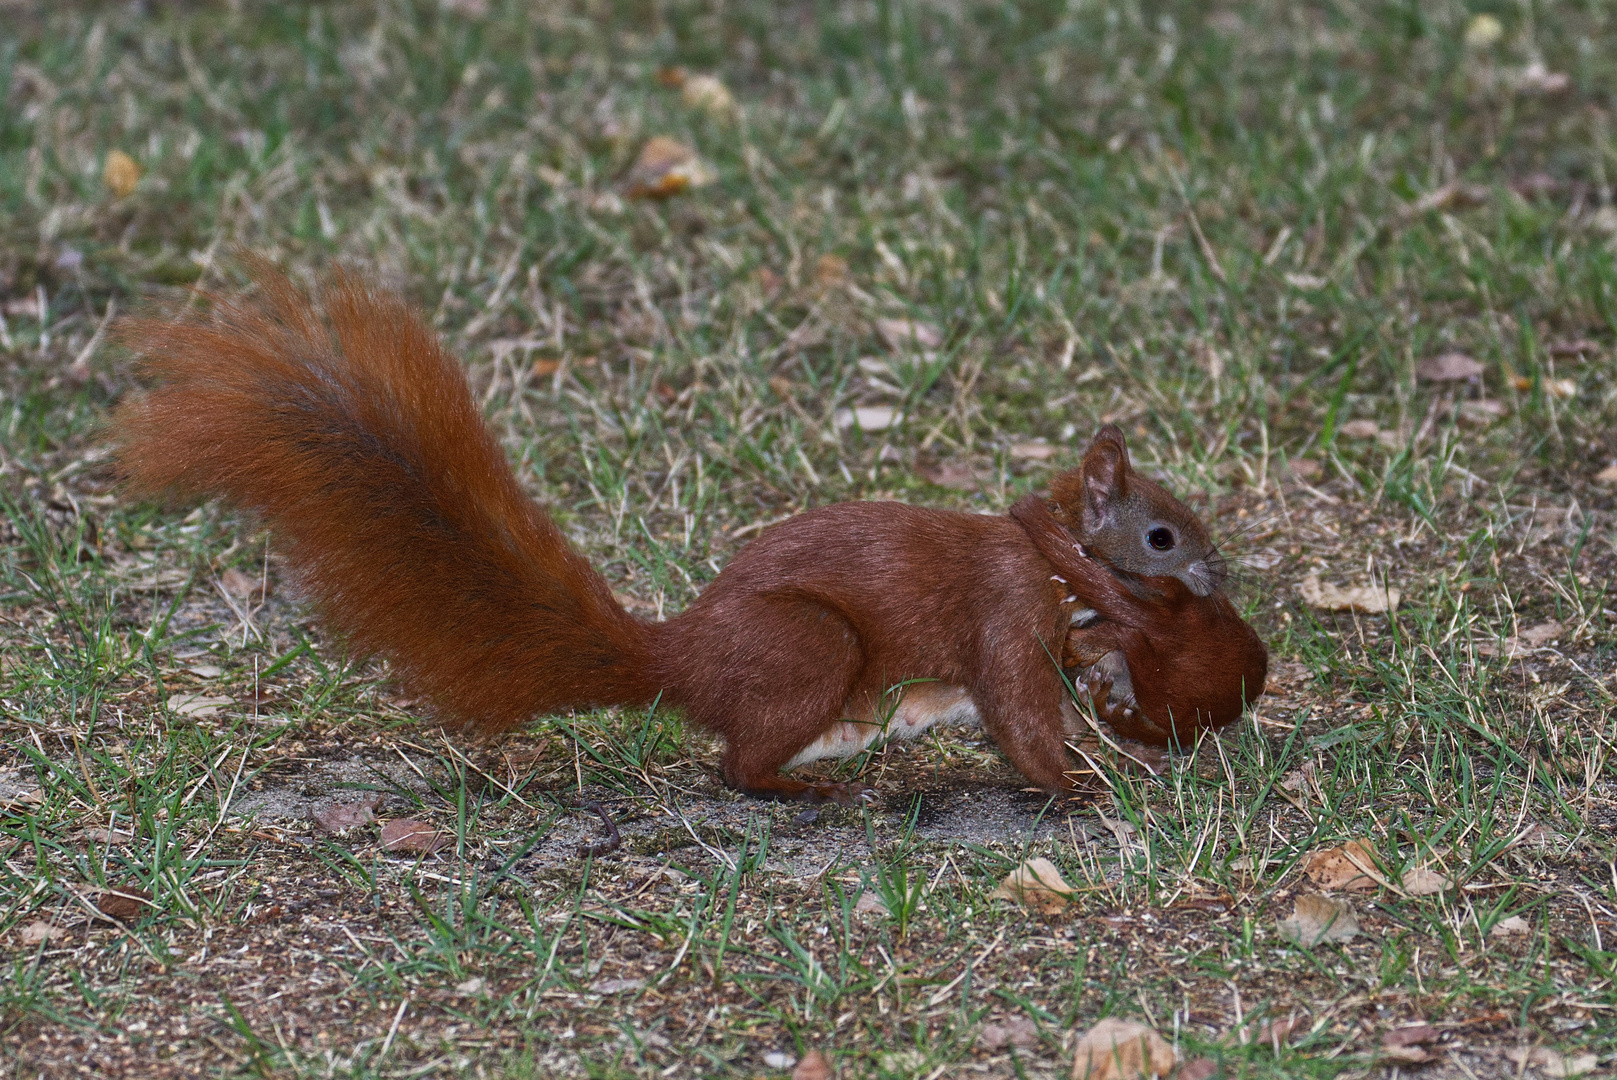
(349, 432)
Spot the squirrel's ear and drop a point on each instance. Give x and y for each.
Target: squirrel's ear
(1105, 474)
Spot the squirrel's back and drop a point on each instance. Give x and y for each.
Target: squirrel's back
(350, 433)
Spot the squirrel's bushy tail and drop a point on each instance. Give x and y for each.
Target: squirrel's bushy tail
(349, 432)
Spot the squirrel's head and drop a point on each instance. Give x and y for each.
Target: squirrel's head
(1132, 523)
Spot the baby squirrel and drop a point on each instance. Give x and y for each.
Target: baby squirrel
(1163, 652)
(348, 431)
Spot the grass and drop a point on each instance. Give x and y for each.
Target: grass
(1234, 231)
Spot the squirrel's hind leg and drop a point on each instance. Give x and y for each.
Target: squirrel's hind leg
(771, 675)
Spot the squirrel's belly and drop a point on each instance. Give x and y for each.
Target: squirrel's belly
(921, 705)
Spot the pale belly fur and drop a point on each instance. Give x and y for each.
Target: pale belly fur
(920, 706)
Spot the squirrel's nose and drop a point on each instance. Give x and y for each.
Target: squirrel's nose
(1212, 571)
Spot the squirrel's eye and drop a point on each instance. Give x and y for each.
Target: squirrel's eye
(1160, 538)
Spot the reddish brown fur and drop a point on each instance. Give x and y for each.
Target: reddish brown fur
(1194, 662)
(355, 439)
(353, 436)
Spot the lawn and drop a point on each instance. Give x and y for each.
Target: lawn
(1343, 271)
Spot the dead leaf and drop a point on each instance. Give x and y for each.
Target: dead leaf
(1424, 881)
(1481, 411)
(1513, 924)
(125, 904)
(40, 931)
(1608, 475)
(1307, 282)
(544, 368)
(1315, 919)
(813, 1066)
(1450, 367)
(416, 837)
(1033, 450)
(1360, 429)
(1351, 866)
(954, 473)
(339, 817)
(616, 986)
(708, 94)
(866, 417)
(1197, 1069)
(198, 706)
(672, 77)
(108, 837)
(19, 791)
(869, 904)
(1037, 885)
(1409, 1035)
(1304, 469)
(471, 987)
(1017, 1031)
(903, 335)
(1365, 598)
(1404, 1044)
(120, 173)
(664, 168)
(1121, 1050)
(1542, 634)
(830, 271)
(241, 586)
(1561, 388)
(1551, 1062)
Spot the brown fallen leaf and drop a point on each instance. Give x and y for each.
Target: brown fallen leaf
(339, 817)
(1017, 1031)
(416, 837)
(1424, 881)
(1197, 1069)
(1121, 1050)
(40, 931)
(120, 173)
(1351, 866)
(1315, 919)
(869, 904)
(198, 706)
(544, 367)
(672, 77)
(108, 837)
(665, 168)
(1542, 634)
(1036, 885)
(1511, 925)
(954, 474)
(1608, 475)
(1360, 429)
(242, 586)
(125, 904)
(1552, 1062)
(1450, 367)
(1366, 598)
(1306, 470)
(1032, 450)
(1407, 1043)
(812, 1066)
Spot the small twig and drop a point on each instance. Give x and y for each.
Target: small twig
(613, 841)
